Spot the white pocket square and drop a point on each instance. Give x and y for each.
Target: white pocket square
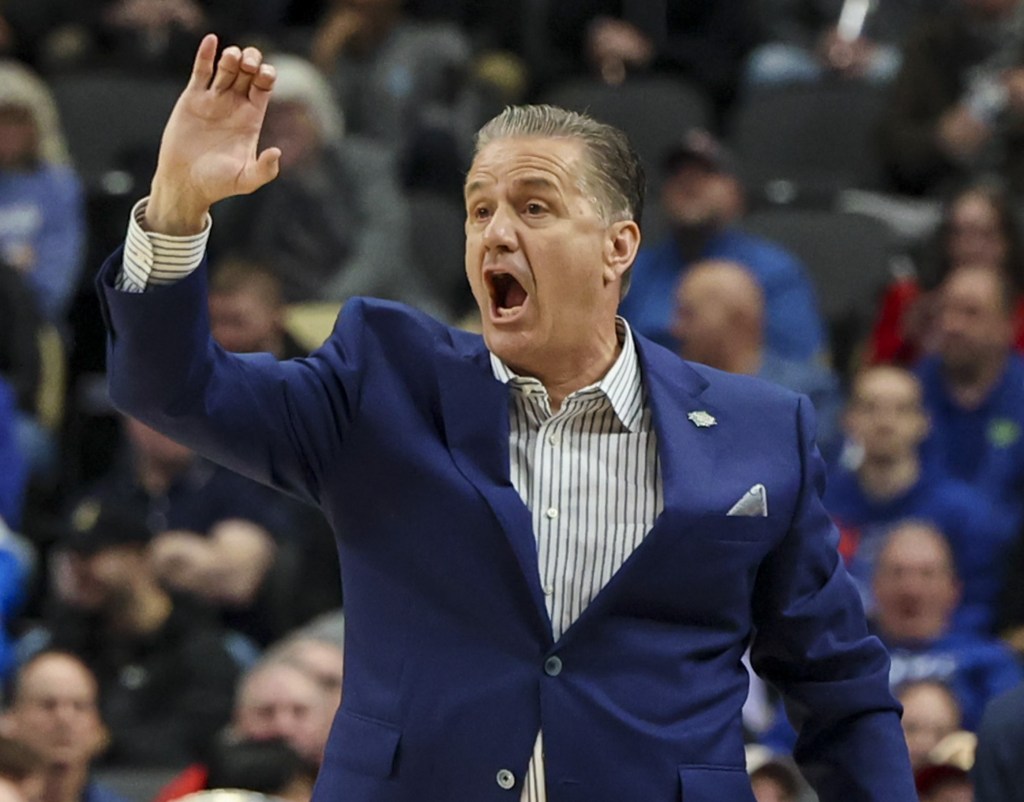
(753, 503)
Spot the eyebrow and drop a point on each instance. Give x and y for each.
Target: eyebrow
(530, 182)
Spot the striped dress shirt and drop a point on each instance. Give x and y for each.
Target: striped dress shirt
(588, 473)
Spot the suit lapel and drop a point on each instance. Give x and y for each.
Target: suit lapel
(686, 457)
(474, 406)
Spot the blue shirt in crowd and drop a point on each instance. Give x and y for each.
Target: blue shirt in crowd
(983, 447)
(978, 535)
(793, 326)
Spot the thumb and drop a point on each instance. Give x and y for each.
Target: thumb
(267, 166)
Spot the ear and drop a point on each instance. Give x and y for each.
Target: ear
(620, 249)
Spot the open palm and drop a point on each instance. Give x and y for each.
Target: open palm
(209, 146)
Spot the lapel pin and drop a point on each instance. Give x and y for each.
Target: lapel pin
(701, 419)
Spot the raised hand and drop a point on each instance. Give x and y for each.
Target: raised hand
(209, 146)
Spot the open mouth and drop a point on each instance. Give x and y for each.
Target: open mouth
(507, 295)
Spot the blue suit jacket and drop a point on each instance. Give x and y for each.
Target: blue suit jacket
(398, 429)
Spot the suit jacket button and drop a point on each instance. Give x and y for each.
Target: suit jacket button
(506, 779)
(553, 666)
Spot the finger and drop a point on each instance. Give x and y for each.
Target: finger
(268, 165)
(247, 69)
(202, 69)
(262, 85)
(227, 69)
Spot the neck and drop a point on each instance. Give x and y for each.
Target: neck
(884, 479)
(744, 359)
(971, 383)
(64, 783)
(577, 370)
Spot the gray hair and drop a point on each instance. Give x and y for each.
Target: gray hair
(22, 88)
(614, 176)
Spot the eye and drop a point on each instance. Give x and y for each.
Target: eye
(535, 208)
(480, 213)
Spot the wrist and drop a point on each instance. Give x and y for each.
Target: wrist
(174, 213)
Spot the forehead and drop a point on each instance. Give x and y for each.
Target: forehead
(974, 286)
(279, 683)
(887, 383)
(57, 675)
(556, 161)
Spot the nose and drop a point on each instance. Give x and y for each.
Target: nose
(500, 232)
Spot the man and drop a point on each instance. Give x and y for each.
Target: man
(54, 710)
(719, 320)
(954, 109)
(161, 661)
(703, 200)
(974, 387)
(916, 591)
(888, 482)
(545, 594)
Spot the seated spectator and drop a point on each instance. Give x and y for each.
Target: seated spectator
(401, 82)
(612, 39)
(275, 700)
(54, 710)
(334, 223)
(916, 592)
(223, 538)
(978, 228)
(930, 713)
(974, 389)
(998, 768)
(703, 200)
(719, 321)
(888, 483)
(954, 110)
(247, 310)
(163, 667)
(807, 41)
(315, 655)
(268, 767)
(42, 212)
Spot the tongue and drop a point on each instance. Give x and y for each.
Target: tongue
(515, 295)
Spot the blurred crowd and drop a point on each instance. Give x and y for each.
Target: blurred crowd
(159, 611)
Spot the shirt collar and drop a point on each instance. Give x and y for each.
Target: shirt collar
(621, 385)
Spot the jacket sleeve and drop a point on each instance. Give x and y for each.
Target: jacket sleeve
(812, 643)
(277, 422)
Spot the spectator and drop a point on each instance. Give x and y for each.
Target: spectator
(274, 700)
(42, 214)
(164, 671)
(397, 79)
(998, 769)
(777, 780)
(930, 713)
(54, 710)
(220, 537)
(321, 659)
(886, 424)
(719, 321)
(916, 591)
(611, 39)
(807, 41)
(13, 467)
(335, 223)
(247, 310)
(978, 227)
(955, 107)
(703, 200)
(974, 388)
(268, 767)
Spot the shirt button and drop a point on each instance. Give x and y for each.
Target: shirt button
(506, 779)
(553, 666)
(554, 439)
(549, 590)
(552, 513)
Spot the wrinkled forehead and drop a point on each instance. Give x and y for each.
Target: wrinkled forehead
(561, 162)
